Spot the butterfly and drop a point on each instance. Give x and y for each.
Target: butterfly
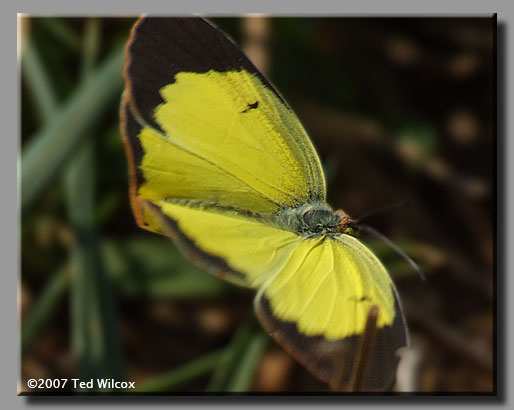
(220, 164)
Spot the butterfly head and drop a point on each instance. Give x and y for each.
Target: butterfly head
(347, 225)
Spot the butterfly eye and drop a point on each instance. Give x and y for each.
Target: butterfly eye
(350, 230)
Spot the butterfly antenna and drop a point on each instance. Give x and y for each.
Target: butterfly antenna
(386, 208)
(378, 235)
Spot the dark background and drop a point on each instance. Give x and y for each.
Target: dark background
(399, 109)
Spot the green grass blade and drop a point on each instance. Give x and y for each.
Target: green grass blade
(91, 45)
(53, 292)
(244, 374)
(39, 83)
(225, 369)
(61, 32)
(178, 376)
(152, 267)
(95, 340)
(47, 152)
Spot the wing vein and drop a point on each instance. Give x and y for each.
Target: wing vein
(314, 293)
(334, 298)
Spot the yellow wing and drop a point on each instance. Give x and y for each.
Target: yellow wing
(232, 247)
(215, 130)
(316, 307)
(339, 277)
(315, 293)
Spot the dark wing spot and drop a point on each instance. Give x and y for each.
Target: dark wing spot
(250, 107)
(361, 299)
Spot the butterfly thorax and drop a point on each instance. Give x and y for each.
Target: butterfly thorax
(316, 219)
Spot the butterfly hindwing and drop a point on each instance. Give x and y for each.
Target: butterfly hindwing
(334, 361)
(317, 305)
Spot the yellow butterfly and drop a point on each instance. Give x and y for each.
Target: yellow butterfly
(220, 164)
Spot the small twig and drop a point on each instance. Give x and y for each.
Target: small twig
(366, 346)
(256, 32)
(360, 367)
(407, 376)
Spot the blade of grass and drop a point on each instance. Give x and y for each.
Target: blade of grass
(180, 375)
(152, 267)
(244, 374)
(225, 369)
(95, 340)
(45, 99)
(91, 44)
(49, 150)
(39, 83)
(44, 307)
(61, 32)
(228, 362)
